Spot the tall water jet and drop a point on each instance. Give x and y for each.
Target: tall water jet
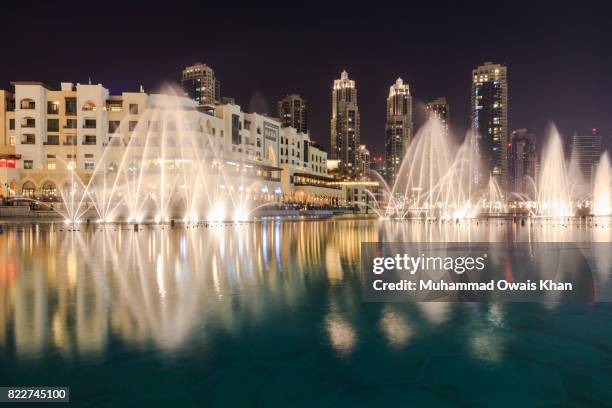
(170, 164)
(579, 186)
(602, 204)
(554, 198)
(425, 167)
(436, 179)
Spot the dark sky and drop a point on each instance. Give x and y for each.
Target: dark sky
(559, 57)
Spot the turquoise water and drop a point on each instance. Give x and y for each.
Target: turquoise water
(270, 314)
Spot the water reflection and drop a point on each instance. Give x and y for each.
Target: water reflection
(395, 327)
(76, 292)
(342, 336)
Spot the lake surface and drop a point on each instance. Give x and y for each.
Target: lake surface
(270, 314)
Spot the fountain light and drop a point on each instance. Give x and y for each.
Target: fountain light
(460, 213)
(601, 191)
(240, 214)
(217, 213)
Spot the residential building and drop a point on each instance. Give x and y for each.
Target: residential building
(83, 130)
(399, 128)
(489, 118)
(365, 194)
(522, 162)
(378, 165)
(8, 157)
(200, 84)
(292, 112)
(345, 125)
(586, 148)
(439, 108)
(364, 162)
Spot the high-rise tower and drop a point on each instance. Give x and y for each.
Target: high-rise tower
(489, 118)
(522, 161)
(586, 147)
(292, 112)
(345, 125)
(398, 129)
(200, 84)
(439, 108)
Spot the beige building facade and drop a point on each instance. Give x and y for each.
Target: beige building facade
(47, 136)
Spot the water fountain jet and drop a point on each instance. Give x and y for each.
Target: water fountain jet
(601, 203)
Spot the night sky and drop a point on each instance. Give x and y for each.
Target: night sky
(559, 58)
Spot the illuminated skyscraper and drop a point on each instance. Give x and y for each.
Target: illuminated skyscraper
(292, 112)
(200, 84)
(398, 127)
(522, 162)
(587, 148)
(364, 162)
(378, 165)
(439, 108)
(345, 125)
(489, 117)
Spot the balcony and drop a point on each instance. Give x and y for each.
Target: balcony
(52, 140)
(89, 124)
(70, 141)
(28, 123)
(28, 104)
(70, 124)
(53, 108)
(70, 107)
(52, 125)
(28, 140)
(114, 106)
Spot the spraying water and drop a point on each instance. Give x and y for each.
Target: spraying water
(601, 190)
(553, 198)
(169, 166)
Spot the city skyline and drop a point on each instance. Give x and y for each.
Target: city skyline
(562, 77)
(339, 204)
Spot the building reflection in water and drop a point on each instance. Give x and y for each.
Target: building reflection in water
(74, 292)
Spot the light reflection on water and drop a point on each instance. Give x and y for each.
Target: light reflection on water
(75, 293)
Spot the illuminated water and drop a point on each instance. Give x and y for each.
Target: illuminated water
(270, 314)
(440, 179)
